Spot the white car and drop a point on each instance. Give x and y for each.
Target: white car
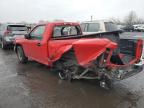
(90, 27)
(141, 28)
(138, 27)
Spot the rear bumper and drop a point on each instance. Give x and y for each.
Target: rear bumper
(8, 43)
(141, 63)
(135, 71)
(123, 73)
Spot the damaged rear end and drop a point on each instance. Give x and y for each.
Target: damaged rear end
(123, 63)
(102, 56)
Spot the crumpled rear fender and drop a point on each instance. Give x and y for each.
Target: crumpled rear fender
(56, 55)
(89, 50)
(86, 50)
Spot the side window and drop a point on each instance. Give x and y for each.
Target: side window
(93, 27)
(37, 33)
(110, 26)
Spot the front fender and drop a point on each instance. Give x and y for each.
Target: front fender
(21, 42)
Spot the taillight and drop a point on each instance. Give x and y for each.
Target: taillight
(7, 32)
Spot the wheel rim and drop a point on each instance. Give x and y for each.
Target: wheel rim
(62, 75)
(19, 53)
(68, 73)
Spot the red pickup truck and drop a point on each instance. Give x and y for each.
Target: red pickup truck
(62, 46)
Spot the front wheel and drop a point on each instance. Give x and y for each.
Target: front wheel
(21, 55)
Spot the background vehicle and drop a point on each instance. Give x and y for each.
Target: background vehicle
(62, 46)
(8, 33)
(120, 28)
(129, 28)
(90, 27)
(140, 28)
(136, 27)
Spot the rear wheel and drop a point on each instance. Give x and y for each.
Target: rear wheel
(63, 75)
(67, 66)
(68, 73)
(21, 55)
(105, 82)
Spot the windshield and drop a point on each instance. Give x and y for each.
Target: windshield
(17, 28)
(110, 26)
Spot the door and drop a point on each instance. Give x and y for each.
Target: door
(37, 46)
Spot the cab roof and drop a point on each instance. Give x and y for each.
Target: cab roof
(61, 23)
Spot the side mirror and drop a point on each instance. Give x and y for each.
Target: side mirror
(27, 36)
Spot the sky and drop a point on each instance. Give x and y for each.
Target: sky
(68, 10)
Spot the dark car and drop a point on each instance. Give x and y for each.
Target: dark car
(8, 33)
(128, 28)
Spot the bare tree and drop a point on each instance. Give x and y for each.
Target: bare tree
(116, 21)
(130, 19)
(140, 21)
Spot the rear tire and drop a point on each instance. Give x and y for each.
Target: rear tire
(105, 82)
(62, 76)
(65, 76)
(21, 55)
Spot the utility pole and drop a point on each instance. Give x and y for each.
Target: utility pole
(91, 17)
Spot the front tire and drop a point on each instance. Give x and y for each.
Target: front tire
(21, 55)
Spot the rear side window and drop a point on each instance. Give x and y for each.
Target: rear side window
(17, 28)
(65, 31)
(110, 26)
(93, 27)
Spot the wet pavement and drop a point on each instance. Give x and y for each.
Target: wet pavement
(31, 85)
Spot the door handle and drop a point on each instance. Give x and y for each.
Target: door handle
(38, 44)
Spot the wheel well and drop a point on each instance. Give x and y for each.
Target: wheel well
(16, 47)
